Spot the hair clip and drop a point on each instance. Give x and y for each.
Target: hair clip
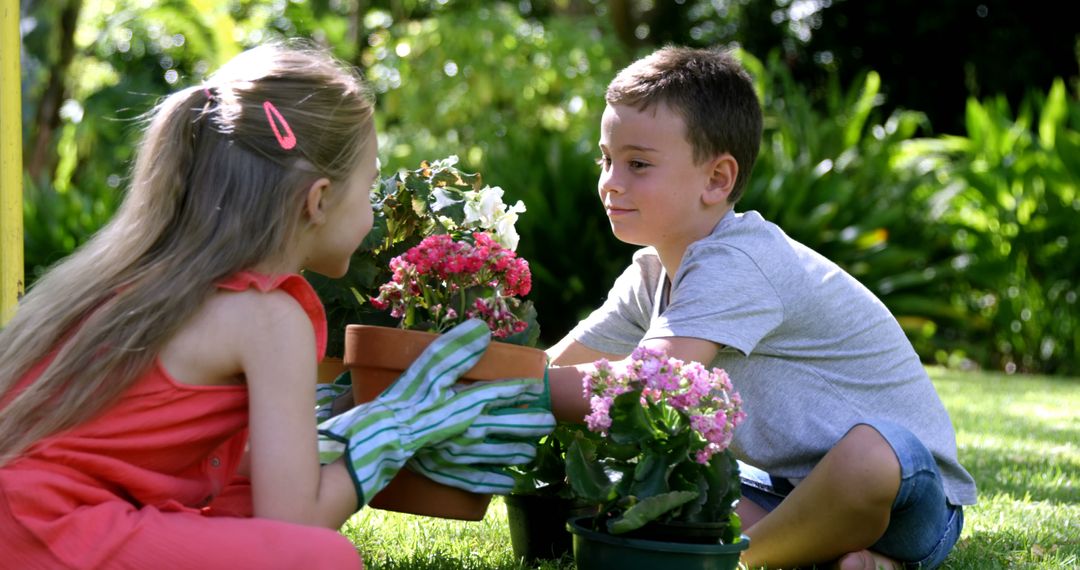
(288, 141)
(209, 95)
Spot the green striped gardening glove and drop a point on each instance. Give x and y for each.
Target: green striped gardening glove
(420, 408)
(325, 394)
(476, 460)
(480, 478)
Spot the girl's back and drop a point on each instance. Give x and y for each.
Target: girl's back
(86, 497)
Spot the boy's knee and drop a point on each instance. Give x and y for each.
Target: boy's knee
(865, 465)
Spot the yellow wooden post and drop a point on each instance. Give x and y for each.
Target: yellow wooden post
(11, 171)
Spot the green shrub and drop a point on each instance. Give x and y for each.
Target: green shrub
(1006, 196)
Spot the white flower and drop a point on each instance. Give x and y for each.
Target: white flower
(505, 232)
(483, 208)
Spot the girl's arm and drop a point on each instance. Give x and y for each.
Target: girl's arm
(278, 358)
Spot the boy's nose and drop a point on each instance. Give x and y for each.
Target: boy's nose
(608, 182)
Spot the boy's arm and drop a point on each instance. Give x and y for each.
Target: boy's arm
(569, 351)
(685, 348)
(572, 360)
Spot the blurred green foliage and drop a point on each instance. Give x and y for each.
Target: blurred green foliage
(518, 100)
(1007, 198)
(970, 239)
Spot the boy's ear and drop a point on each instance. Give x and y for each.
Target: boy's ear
(315, 203)
(723, 170)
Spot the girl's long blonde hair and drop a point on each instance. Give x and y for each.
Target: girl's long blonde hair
(212, 192)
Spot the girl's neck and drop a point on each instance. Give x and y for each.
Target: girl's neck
(289, 261)
(277, 266)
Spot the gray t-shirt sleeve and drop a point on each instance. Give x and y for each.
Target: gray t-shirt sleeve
(721, 295)
(617, 326)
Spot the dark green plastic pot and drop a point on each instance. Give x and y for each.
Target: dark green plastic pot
(538, 526)
(602, 551)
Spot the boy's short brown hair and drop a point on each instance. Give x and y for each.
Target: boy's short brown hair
(710, 90)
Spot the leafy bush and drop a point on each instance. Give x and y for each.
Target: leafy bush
(1007, 196)
(970, 241)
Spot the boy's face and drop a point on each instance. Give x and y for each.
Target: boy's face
(650, 187)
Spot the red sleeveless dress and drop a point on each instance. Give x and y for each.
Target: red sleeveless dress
(152, 482)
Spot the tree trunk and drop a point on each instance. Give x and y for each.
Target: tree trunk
(622, 20)
(41, 160)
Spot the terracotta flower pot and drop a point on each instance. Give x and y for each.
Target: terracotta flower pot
(329, 369)
(376, 356)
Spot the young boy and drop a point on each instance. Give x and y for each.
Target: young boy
(853, 454)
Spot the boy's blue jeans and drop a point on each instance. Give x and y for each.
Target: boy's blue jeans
(923, 527)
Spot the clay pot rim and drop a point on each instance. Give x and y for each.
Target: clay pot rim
(500, 360)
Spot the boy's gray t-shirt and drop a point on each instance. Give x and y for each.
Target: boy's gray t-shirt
(809, 348)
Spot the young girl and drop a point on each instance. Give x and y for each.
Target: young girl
(134, 372)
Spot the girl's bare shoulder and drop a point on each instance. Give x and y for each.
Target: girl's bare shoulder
(232, 327)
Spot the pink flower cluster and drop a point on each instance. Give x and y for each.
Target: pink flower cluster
(445, 281)
(705, 396)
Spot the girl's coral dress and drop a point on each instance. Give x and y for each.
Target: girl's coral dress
(152, 482)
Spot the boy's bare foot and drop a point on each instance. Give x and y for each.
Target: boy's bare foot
(867, 560)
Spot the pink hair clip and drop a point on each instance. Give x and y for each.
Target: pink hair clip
(209, 95)
(288, 140)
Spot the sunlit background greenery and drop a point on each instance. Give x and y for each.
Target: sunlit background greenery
(933, 149)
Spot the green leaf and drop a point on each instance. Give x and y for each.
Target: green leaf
(861, 110)
(648, 509)
(688, 476)
(630, 423)
(620, 451)
(1053, 114)
(722, 479)
(734, 529)
(585, 474)
(677, 447)
(650, 475)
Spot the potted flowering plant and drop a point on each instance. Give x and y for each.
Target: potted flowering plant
(442, 280)
(655, 466)
(410, 205)
(441, 251)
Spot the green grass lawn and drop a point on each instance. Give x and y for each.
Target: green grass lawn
(1018, 435)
